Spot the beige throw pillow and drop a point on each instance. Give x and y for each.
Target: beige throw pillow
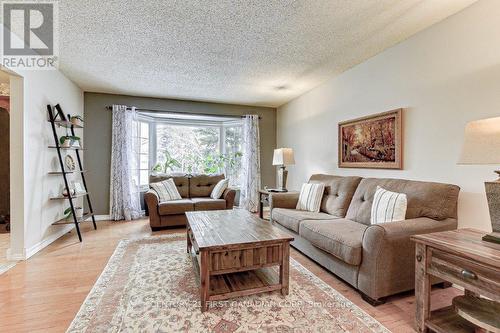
(388, 206)
(166, 190)
(219, 189)
(310, 197)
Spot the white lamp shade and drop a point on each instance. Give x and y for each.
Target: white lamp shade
(283, 156)
(481, 142)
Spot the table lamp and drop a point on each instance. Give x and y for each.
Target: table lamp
(281, 158)
(482, 146)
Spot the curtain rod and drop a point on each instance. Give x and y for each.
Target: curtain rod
(109, 107)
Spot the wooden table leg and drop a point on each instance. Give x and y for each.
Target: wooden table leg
(261, 206)
(285, 269)
(188, 247)
(470, 293)
(204, 280)
(422, 288)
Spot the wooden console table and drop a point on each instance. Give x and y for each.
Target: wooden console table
(462, 258)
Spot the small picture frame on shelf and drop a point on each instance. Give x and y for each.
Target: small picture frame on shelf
(69, 163)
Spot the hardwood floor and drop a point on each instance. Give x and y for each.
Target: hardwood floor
(44, 293)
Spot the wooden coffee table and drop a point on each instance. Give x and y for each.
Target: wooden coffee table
(233, 252)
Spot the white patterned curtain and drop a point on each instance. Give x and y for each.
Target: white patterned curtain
(124, 193)
(249, 197)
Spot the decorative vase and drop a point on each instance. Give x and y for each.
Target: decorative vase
(78, 212)
(65, 192)
(76, 122)
(76, 143)
(66, 143)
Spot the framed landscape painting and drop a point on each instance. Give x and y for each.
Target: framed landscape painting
(372, 142)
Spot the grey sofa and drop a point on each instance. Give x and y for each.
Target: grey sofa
(378, 260)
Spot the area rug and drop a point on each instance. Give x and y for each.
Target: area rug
(149, 285)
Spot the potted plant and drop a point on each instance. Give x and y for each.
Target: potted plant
(76, 120)
(68, 141)
(78, 213)
(169, 164)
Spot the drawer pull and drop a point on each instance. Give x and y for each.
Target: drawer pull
(466, 274)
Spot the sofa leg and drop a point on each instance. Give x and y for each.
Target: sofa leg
(371, 301)
(444, 285)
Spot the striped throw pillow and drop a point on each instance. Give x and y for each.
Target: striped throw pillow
(166, 190)
(310, 197)
(219, 189)
(388, 206)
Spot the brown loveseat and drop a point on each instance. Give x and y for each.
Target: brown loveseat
(195, 192)
(378, 259)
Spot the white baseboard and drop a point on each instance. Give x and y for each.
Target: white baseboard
(106, 217)
(102, 217)
(15, 256)
(28, 252)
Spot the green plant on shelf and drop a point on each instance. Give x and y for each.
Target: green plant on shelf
(68, 213)
(71, 138)
(77, 117)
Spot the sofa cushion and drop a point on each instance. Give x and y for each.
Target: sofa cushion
(425, 199)
(340, 237)
(208, 203)
(166, 190)
(175, 207)
(203, 185)
(338, 193)
(181, 182)
(291, 218)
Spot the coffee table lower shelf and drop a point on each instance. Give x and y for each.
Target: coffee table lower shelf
(238, 284)
(446, 320)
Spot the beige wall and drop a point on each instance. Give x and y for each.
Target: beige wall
(98, 135)
(31, 186)
(444, 77)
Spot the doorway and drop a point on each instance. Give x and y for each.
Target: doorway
(5, 226)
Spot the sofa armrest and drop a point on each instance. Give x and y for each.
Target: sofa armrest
(388, 264)
(152, 201)
(283, 200)
(229, 195)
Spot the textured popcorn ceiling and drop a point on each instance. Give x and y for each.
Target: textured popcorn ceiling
(262, 52)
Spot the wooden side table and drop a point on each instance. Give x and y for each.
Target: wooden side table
(462, 258)
(264, 199)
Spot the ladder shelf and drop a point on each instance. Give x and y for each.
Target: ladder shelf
(56, 123)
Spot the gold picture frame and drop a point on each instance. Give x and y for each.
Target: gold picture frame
(374, 141)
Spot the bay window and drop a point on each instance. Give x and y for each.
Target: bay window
(189, 145)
